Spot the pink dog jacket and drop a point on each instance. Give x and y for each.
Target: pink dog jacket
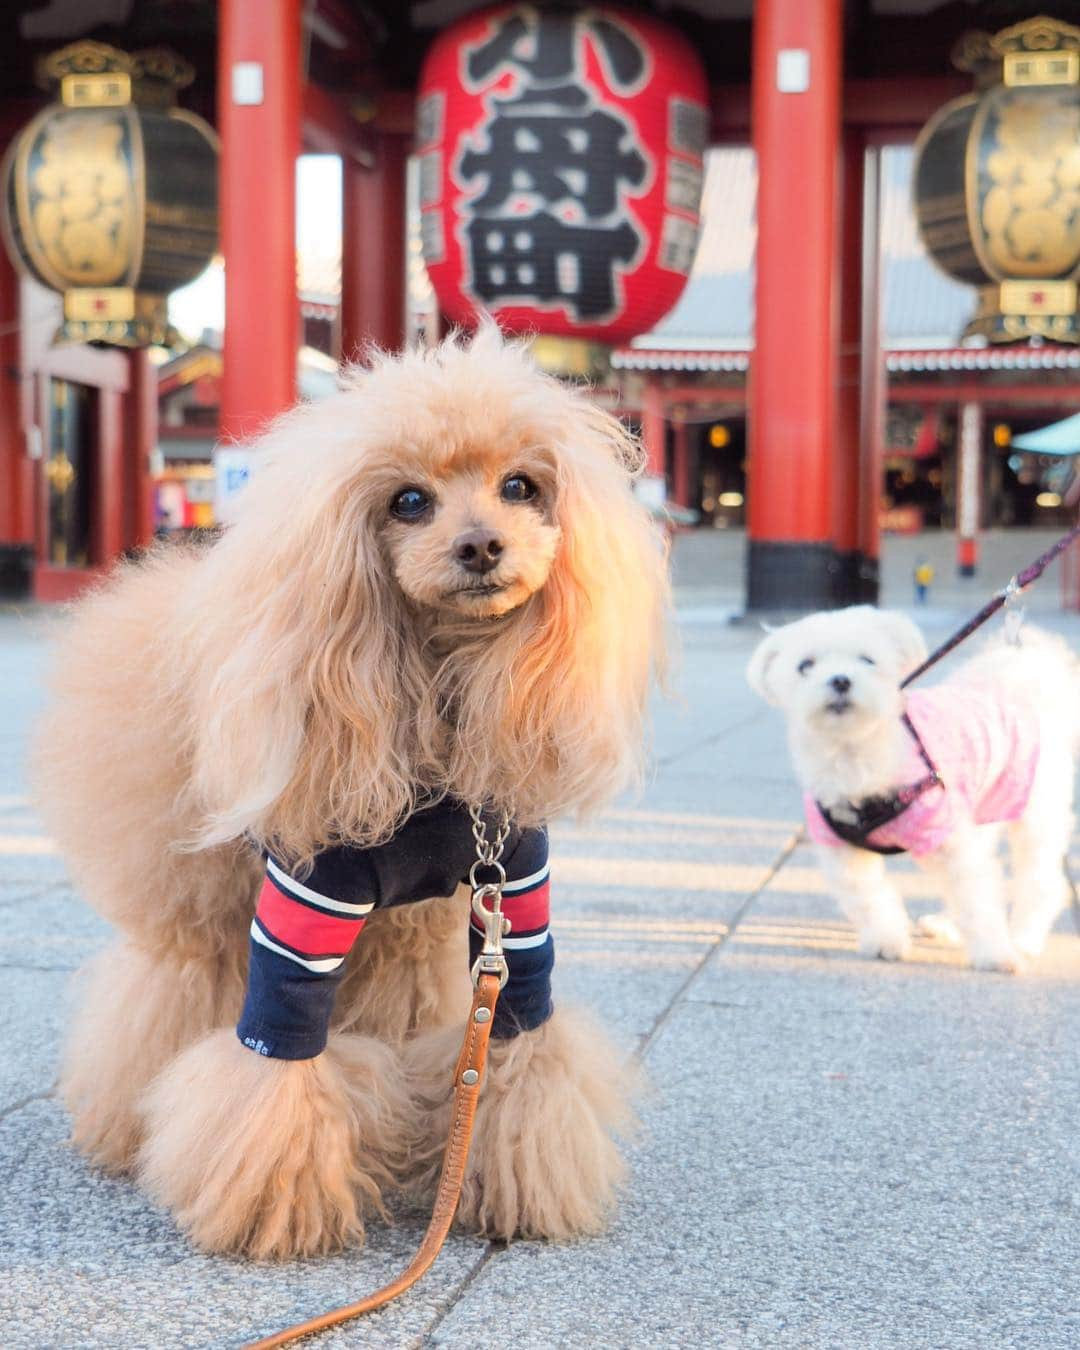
(984, 745)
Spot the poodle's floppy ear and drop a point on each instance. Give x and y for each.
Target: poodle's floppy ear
(569, 703)
(761, 665)
(907, 640)
(303, 653)
(608, 593)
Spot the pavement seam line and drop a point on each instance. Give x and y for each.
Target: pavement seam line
(471, 1276)
(492, 1248)
(6, 1111)
(665, 1016)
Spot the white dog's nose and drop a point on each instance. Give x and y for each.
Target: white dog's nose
(840, 683)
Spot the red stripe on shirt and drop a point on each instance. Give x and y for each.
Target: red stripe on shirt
(527, 913)
(303, 928)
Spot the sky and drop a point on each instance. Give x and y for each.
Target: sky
(318, 234)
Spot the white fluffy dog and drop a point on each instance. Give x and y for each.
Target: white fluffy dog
(932, 771)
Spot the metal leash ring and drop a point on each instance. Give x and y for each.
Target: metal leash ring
(476, 884)
(492, 959)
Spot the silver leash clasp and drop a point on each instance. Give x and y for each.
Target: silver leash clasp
(492, 959)
(1014, 612)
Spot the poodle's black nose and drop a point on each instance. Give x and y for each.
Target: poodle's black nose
(840, 683)
(479, 550)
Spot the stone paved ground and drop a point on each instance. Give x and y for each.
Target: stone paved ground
(836, 1153)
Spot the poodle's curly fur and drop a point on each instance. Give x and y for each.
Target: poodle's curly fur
(299, 684)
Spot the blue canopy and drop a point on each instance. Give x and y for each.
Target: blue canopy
(1059, 438)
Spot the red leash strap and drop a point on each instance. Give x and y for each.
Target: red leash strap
(1020, 582)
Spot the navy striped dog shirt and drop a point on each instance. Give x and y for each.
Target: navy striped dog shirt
(304, 929)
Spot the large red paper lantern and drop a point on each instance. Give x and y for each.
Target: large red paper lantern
(561, 165)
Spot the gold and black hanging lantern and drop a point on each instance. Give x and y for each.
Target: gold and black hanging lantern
(997, 181)
(110, 195)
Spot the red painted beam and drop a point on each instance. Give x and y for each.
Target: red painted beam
(329, 128)
(887, 110)
(989, 395)
(899, 107)
(259, 123)
(1033, 395)
(710, 395)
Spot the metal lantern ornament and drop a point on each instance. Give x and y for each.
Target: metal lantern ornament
(997, 181)
(110, 195)
(560, 169)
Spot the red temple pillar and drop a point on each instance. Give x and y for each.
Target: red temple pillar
(969, 488)
(259, 123)
(797, 60)
(16, 467)
(373, 249)
(680, 475)
(139, 444)
(652, 488)
(110, 481)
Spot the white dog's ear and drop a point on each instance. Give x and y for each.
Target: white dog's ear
(907, 640)
(760, 668)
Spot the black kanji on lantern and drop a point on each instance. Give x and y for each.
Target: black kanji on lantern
(548, 260)
(549, 223)
(546, 49)
(555, 157)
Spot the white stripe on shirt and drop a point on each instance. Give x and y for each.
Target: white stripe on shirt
(321, 965)
(513, 887)
(519, 944)
(339, 906)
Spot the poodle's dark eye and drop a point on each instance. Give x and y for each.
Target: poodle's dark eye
(869, 660)
(410, 504)
(518, 488)
(805, 665)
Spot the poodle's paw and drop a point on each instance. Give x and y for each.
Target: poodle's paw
(543, 1161)
(96, 1085)
(134, 1012)
(885, 940)
(109, 1137)
(269, 1157)
(939, 928)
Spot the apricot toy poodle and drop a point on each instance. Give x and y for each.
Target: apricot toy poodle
(440, 590)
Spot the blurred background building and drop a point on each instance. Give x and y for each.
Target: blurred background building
(711, 210)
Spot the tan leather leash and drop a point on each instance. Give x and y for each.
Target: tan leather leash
(489, 975)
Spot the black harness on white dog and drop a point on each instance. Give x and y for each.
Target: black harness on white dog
(873, 812)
